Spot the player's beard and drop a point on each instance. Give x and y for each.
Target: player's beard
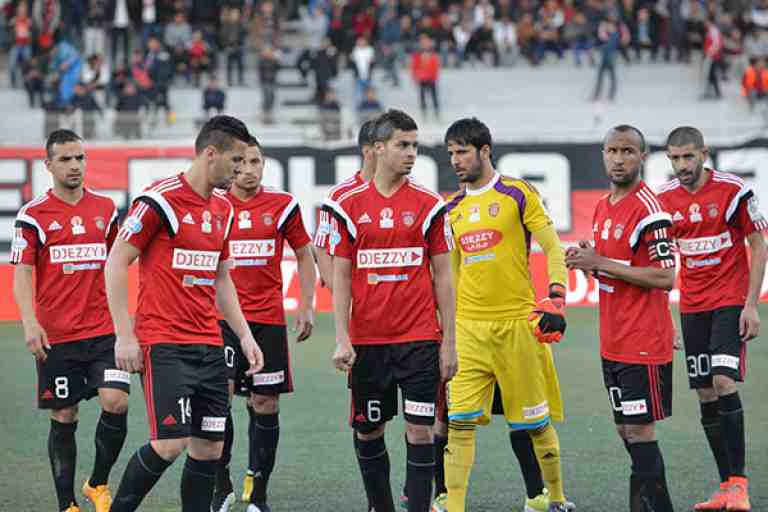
(691, 178)
(72, 182)
(626, 179)
(474, 172)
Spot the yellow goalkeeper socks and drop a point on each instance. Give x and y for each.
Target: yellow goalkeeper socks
(547, 447)
(459, 458)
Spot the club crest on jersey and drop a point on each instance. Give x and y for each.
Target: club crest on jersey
(618, 231)
(694, 213)
(267, 219)
(54, 226)
(77, 225)
(677, 217)
(409, 218)
(188, 219)
(712, 210)
(219, 222)
(474, 213)
(133, 224)
(605, 233)
(385, 220)
(99, 221)
(206, 227)
(244, 220)
(493, 209)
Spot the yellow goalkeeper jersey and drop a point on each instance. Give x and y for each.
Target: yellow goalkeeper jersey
(492, 229)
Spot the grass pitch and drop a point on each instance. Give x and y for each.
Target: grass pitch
(316, 469)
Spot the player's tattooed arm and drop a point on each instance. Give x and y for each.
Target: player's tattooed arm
(23, 291)
(128, 355)
(344, 356)
(585, 258)
(307, 278)
(229, 305)
(446, 303)
(749, 321)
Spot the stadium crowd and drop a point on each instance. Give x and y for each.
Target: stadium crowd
(135, 51)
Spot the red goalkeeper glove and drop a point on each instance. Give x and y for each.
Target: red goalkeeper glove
(551, 314)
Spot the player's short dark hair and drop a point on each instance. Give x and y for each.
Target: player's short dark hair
(253, 141)
(684, 135)
(624, 128)
(221, 133)
(388, 122)
(365, 135)
(61, 136)
(469, 131)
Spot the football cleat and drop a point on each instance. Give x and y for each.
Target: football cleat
(738, 495)
(258, 507)
(718, 500)
(440, 504)
(99, 496)
(247, 488)
(222, 501)
(538, 504)
(565, 506)
(403, 502)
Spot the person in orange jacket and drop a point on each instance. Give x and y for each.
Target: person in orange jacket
(425, 70)
(754, 82)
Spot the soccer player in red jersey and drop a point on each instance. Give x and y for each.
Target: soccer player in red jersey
(62, 237)
(391, 276)
(181, 226)
(714, 213)
(634, 262)
(325, 217)
(265, 219)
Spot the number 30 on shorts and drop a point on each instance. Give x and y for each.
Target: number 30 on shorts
(698, 366)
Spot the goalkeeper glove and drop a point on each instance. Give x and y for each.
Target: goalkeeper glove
(551, 314)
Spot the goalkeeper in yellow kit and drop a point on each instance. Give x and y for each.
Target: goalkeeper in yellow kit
(502, 334)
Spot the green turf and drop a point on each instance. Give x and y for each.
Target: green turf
(316, 469)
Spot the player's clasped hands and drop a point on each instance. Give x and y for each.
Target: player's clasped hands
(253, 354)
(37, 341)
(128, 356)
(344, 356)
(582, 257)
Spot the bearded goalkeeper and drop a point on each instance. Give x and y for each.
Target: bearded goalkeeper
(502, 335)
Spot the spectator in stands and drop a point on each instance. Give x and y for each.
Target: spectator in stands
(483, 42)
(158, 62)
(407, 35)
(121, 29)
(120, 77)
(34, 81)
(759, 15)
(178, 36)
(129, 103)
(326, 67)
(425, 71)
(365, 23)
(140, 77)
(613, 35)
(330, 103)
(389, 44)
(268, 68)
(370, 106)
(95, 24)
(754, 83)
(150, 17)
(713, 59)
(445, 43)
(462, 34)
(67, 64)
(505, 37)
(267, 31)
(329, 112)
(577, 35)
(315, 26)
(232, 36)
(362, 64)
(337, 31)
(199, 55)
(46, 17)
(527, 37)
(96, 75)
(733, 45)
(84, 101)
(645, 36)
(483, 10)
(21, 51)
(756, 43)
(551, 19)
(214, 98)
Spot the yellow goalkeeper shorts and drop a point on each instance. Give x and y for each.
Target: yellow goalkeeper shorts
(504, 352)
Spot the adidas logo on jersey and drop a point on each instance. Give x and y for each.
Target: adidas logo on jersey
(364, 219)
(54, 226)
(677, 217)
(188, 219)
(169, 420)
